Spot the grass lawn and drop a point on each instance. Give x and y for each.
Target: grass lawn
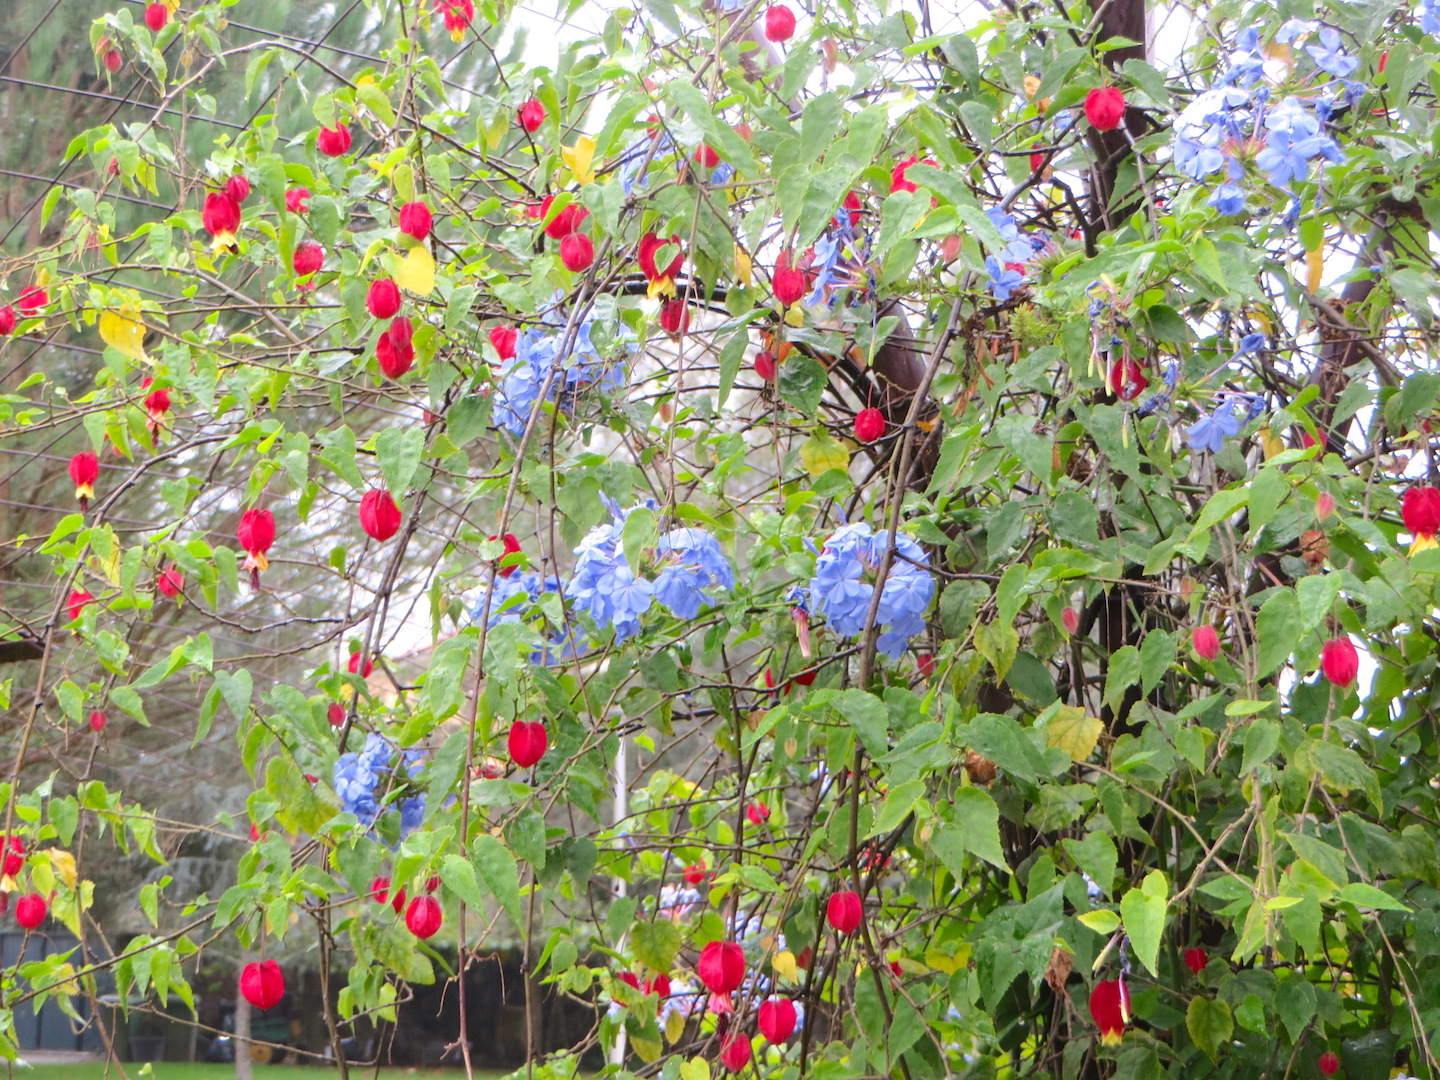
(167, 1070)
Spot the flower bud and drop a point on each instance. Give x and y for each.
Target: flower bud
(1205, 641)
(30, 911)
(383, 300)
(844, 911)
(527, 742)
(333, 142)
(1105, 108)
(721, 967)
(262, 984)
(869, 425)
(97, 720)
(531, 115)
(1339, 661)
(424, 916)
(776, 1019)
(379, 516)
(415, 220)
(779, 26)
(577, 252)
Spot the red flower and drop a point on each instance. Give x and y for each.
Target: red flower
(1070, 619)
(157, 404)
(707, 156)
(356, 668)
(1339, 661)
(925, 664)
(97, 720)
(156, 16)
(695, 874)
(675, 316)
(1328, 1063)
(76, 601)
(238, 188)
(735, 1051)
(256, 532)
(84, 471)
(170, 583)
(779, 26)
(383, 299)
(1127, 380)
(380, 889)
(30, 911)
(629, 978)
(787, 281)
(1105, 108)
(7, 321)
(511, 545)
(565, 221)
(297, 200)
(113, 61)
(843, 911)
(1205, 641)
(869, 425)
(650, 246)
(852, 207)
(757, 813)
(721, 966)
(263, 984)
(307, 260)
(332, 142)
(394, 351)
(504, 338)
(1324, 505)
(1110, 1009)
(577, 252)
(416, 220)
(776, 1019)
(458, 15)
(1196, 959)
(899, 181)
(221, 216)
(14, 856)
(527, 742)
(659, 986)
(335, 713)
(531, 115)
(424, 916)
(1420, 510)
(379, 516)
(765, 366)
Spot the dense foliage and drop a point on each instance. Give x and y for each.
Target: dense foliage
(860, 541)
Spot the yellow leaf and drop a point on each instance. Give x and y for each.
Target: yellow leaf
(64, 864)
(947, 965)
(580, 159)
(744, 267)
(697, 1068)
(795, 316)
(123, 331)
(675, 1026)
(1074, 732)
(821, 453)
(1271, 443)
(415, 272)
(1314, 265)
(785, 965)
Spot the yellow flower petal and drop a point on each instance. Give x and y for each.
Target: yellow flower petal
(580, 159)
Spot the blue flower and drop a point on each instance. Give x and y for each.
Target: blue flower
(843, 588)
(537, 355)
(1285, 158)
(1229, 199)
(1003, 282)
(357, 777)
(1210, 432)
(1294, 28)
(1330, 56)
(1429, 19)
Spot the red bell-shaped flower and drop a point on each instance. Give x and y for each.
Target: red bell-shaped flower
(415, 220)
(1110, 1009)
(7, 320)
(511, 545)
(707, 156)
(776, 1019)
(1339, 661)
(238, 188)
(504, 338)
(332, 142)
(757, 813)
(1105, 108)
(1196, 959)
(721, 967)
(75, 603)
(14, 856)
(1205, 641)
(565, 221)
(156, 16)
(695, 874)
(395, 352)
(787, 281)
(383, 299)
(527, 742)
(1420, 510)
(221, 216)
(779, 23)
(84, 471)
(844, 911)
(531, 115)
(1328, 1063)
(335, 714)
(899, 181)
(457, 15)
(674, 316)
(297, 200)
(263, 984)
(661, 278)
(169, 583)
(424, 916)
(256, 532)
(735, 1051)
(308, 259)
(356, 668)
(97, 720)
(30, 911)
(869, 425)
(379, 516)
(765, 366)
(577, 252)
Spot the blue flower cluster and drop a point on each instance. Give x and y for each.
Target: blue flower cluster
(506, 604)
(844, 584)
(1006, 271)
(1211, 430)
(536, 355)
(687, 561)
(358, 776)
(1213, 129)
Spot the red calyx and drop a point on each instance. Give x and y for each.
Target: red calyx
(238, 188)
(735, 1051)
(84, 471)
(757, 813)
(1110, 1009)
(695, 874)
(335, 713)
(75, 603)
(170, 583)
(787, 281)
(30, 911)
(1328, 1062)
(1420, 510)
(424, 916)
(156, 16)
(869, 425)
(512, 547)
(7, 320)
(1339, 661)
(297, 200)
(1105, 108)
(416, 220)
(383, 300)
(393, 351)
(309, 257)
(355, 667)
(220, 215)
(531, 115)
(779, 24)
(721, 966)
(333, 142)
(652, 246)
(675, 316)
(504, 338)
(1205, 641)
(577, 252)
(97, 720)
(765, 366)
(776, 1019)
(379, 516)
(565, 221)
(1196, 959)
(263, 984)
(527, 742)
(844, 911)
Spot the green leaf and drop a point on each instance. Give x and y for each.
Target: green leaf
(1362, 895)
(802, 381)
(1210, 1024)
(499, 871)
(236, 688)
(1097, 856)
(399, 450)
(1277, 628)
(640, 533)
(1125, 671)
(1143, 912)
(868, 716)
(978, 819)
(459, 877)
(655, 944)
